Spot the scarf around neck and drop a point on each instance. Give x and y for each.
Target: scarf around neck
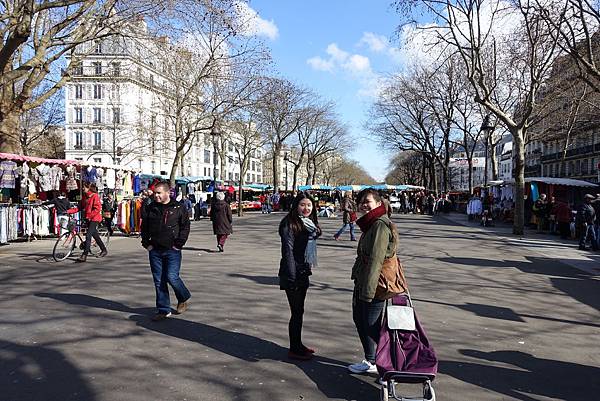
(366, 221)
(310, 254)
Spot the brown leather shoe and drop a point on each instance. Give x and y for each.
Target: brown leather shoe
(82, 258)
(160, 316)
(182, 307)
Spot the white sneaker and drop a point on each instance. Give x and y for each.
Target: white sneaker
(363, 367)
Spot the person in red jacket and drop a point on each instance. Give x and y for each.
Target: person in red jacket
(93, 214)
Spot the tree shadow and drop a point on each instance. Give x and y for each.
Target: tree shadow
(532, 377)
(330, 376)
(264, 280)
(578, 284)
(40, 373)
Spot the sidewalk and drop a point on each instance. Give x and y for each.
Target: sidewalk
(542, 244)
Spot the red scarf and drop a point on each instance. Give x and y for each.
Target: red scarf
(366, 221)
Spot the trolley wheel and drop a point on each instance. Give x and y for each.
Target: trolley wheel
(384, 394)
(64, 246)
(428, 392)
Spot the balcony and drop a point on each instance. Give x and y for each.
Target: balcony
(572, 153)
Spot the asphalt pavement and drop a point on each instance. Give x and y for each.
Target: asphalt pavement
(509, 320)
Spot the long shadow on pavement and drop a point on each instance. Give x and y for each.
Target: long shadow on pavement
(40, 373)
(578, 284)
(531, 376)
(329, 375)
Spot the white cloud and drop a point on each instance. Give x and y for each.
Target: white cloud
(358, 64)
(253, 24)
(320, 64)
(354, 66)
(336, 53)
(376, 43)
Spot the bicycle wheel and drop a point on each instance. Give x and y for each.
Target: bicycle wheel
(64, 246)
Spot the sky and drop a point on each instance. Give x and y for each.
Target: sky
(338, 48)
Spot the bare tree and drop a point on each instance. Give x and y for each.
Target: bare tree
(37, 35)
(37, 125)
(280, 106)
(405, 168)
(499, 65)
(247, 140)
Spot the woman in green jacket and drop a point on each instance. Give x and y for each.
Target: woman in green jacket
(378, 242)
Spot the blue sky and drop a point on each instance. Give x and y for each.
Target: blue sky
(338, 49)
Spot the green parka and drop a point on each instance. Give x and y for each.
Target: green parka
(374, 246)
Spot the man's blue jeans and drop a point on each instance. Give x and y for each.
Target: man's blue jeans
(165, 265)
(588, 232)
(343, 229)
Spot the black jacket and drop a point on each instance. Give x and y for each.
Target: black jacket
(586, 214)
(293, 269)
(165, 226)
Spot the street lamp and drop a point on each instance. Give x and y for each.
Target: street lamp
(286, 158)
(214, 133)
(487, 129)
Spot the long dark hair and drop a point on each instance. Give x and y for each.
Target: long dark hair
(378, 198)
(293, 218)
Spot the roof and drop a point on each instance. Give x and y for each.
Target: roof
(549, 180)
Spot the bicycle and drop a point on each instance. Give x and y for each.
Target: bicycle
(72, 239)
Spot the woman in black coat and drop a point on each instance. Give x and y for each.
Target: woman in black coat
(220, 214)
(299, 231)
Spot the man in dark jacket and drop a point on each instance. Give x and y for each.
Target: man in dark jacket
(165, 230)
(586, 216)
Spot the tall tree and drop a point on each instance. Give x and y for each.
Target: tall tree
(36, 37)
(507, 50)
(280, 111)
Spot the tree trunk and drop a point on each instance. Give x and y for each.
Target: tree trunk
(314, 177)
(9, 132)
(174, 166)
(446, 160)
(493, 161)
(276, 153)
(295, 176)
(470, 163)
(424, 172)
(223, 157)
(240, 210)
(519, 174)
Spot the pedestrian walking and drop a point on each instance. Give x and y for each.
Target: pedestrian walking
(299, 231)
(376, 248)
(586, 217)
(109, 208)
(93, 215)
(165, 230)
(222, 219)
(348, 207)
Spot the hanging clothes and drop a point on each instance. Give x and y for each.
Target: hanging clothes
(8, 174)
(71, 178)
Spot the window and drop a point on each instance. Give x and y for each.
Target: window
(230, 176)
(153, 167)
(97, 140)
(230, 159)
(98, 48)
(206, 156)
(151, 80)
(78, 115)
(208, 169)
(258, 178)
(97, 91)
(237, 176)
(78, 91)
(248, 177)
(78, 69)
(97, 68)
(116, 69)
(205, 171)
(253, 177)
(153, 121)
(116, 116)
(78, 140)
(153, 146)
(97, 115)
(253, 165)
(97, 160)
